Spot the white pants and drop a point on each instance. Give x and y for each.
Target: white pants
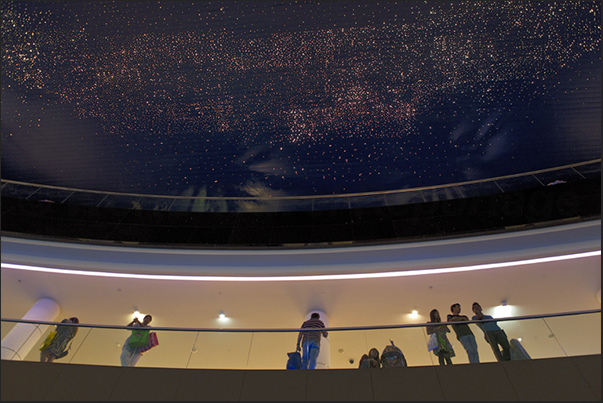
(129, 355)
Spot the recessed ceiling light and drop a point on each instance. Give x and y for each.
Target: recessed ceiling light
(139, 315)
(503, 311)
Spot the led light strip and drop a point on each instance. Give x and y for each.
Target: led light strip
(356, 276)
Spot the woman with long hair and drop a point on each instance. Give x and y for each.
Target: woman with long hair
(58, 346)
(444, 351)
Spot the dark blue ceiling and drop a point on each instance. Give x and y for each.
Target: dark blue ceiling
(295, 98)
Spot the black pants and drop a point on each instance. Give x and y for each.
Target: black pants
(496, 338)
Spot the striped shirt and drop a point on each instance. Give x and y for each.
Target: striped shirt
(312, 323)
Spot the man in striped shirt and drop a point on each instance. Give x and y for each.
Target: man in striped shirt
(310, 341)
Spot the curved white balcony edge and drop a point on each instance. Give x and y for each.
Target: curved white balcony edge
(561, 242)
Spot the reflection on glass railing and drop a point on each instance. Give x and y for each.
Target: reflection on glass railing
(484, 187)
(530, 337)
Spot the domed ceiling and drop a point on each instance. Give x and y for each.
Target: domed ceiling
(295, 98)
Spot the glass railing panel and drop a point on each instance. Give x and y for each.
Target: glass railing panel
(269, 350)
(52, 195)
(201, 205)
(18, 191)
(566, 335)
(6, 328)
(577, 335)
(518, 183)
(185, 204)
(79, 339)
(226, 350)
(483, 347)
(407, 197)
(242, 205)
(175, 349)
(565, 175)
(460, 355)
(330, 203)
(121, 202)
(412, 341)
(85, 199)
(535, 337)
(301, 204)
(257, 205)
(155, 203)
(90, 342)
(591, 170)
(345, 346)
(364, 201)
(100, 346)
(443, 193)
(479, 189)
(228, 205)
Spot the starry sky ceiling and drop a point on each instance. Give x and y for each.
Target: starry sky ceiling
(295, 98)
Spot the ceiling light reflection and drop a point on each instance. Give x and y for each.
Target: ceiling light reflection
(503, 311)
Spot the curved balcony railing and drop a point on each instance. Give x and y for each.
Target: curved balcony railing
(542, 336)
(201, 203)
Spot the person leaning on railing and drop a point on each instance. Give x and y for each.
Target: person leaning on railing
(493, 334)
(57, 348)
(464, 333)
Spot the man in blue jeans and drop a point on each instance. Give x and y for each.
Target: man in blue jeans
(494, 335)
(310, 341)
(463, 333)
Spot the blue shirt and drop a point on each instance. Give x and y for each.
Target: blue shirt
(487, 326)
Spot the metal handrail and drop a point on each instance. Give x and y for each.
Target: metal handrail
(296, 330)
(303, 197)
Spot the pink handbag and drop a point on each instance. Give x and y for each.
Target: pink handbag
(153, 341)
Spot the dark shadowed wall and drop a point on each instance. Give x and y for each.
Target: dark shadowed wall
(571, 378)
